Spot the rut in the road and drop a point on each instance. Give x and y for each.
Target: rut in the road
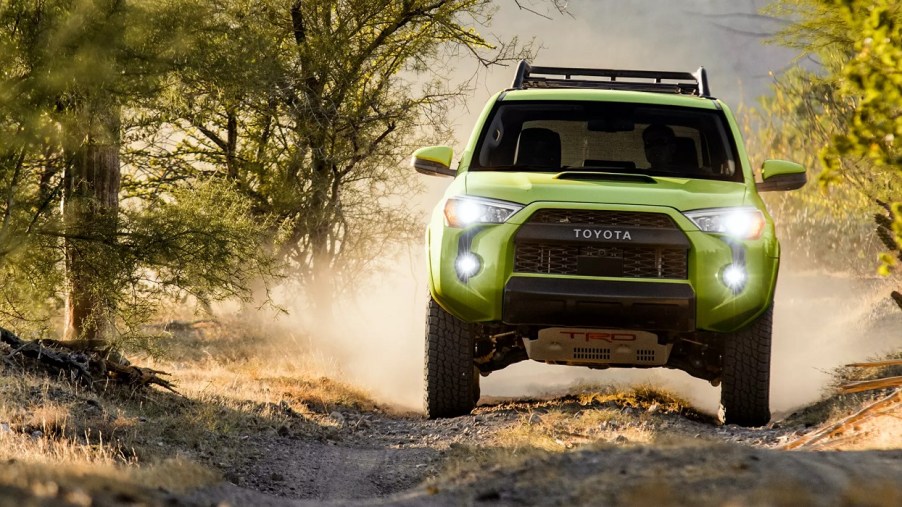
(324, 471)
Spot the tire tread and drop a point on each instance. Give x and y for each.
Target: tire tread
(450, 378)
(745, 393)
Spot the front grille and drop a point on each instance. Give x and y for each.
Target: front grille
(625, 262)
(603, 217)
(544, 250)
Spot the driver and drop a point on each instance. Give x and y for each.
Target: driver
(660, 145)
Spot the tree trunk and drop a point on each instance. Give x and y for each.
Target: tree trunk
(319, 228)
(90, 217)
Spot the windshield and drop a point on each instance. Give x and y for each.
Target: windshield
(606, 137)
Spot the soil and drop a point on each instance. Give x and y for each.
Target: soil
(403, 459)
(384, 459)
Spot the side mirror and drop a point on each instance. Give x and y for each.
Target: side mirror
(434, 161)
(781, 175)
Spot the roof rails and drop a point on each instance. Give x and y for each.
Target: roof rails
(690, 83)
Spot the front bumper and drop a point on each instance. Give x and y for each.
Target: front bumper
(544, 301)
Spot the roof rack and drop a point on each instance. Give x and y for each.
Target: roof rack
(688, 83)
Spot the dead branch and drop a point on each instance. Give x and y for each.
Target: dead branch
(870, 385)
(90, 363)
(876, 364)
(138, 376)
(845, 423)
(75, 364)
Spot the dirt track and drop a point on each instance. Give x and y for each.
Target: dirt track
(374, 458)
(642, 455)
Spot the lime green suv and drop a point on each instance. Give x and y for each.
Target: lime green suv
(603, 218)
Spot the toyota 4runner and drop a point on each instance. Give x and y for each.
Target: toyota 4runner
(603, 218)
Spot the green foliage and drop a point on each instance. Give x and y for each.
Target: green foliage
(308, 109)
(819, 227)
(67, 69)
(872, 79)
(816, 117)
(200, 241)
(249, 131)
(31, 278)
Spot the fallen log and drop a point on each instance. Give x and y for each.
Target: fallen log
(91, 363)
(75, 364)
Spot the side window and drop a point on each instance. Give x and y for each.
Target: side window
(492, 152)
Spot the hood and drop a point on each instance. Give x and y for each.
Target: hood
(683, 194)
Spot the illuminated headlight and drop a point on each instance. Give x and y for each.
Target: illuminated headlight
(739, 223)
(734, 277)
(467, 265)
(465, 211)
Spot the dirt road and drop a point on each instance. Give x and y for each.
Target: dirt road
(636, 455)
(571, 450)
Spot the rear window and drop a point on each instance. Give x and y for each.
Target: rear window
(609, 137)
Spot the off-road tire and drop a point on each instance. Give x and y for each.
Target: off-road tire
(452, 380)
(745, 391)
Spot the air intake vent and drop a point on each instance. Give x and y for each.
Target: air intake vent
(645, 355)
(591, 353)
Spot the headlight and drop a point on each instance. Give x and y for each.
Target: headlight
(739, 223)
(465, 211)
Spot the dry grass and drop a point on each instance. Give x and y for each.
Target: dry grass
(557, 430)
(593, 416)
(29, 483)
(235, 386)
(63, 442)
(592, 419)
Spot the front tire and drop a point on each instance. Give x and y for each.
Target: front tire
(452, 380)
(745, 394)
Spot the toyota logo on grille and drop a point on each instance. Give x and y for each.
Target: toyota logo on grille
(602, 234)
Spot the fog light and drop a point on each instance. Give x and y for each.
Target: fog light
(467, 265)
(734, 277)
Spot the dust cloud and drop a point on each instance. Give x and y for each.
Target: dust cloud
(822, 321)
(375, 340)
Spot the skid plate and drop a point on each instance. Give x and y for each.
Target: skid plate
(568, 345)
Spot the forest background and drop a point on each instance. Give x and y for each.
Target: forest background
(180, 154)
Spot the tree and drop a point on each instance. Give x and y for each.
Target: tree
(839, 113)
(187, 139)
(872, 80)
(311, 112)
(74, 73)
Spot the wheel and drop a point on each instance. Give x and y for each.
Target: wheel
(452, 380)
(745, 393)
